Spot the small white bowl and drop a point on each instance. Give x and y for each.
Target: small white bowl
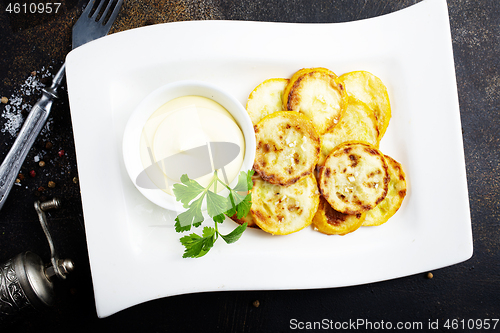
(162, 95)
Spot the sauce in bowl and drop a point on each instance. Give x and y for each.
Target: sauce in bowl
(191, 135)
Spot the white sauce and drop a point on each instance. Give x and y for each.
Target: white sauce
(185, 123)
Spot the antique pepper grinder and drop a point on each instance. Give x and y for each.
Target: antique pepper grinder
(25, 280)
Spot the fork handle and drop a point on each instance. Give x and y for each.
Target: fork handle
(29, 131)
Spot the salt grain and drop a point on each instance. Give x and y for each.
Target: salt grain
(14, 120)
(12, 112)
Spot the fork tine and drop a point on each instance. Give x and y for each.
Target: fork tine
(98, 9)
(105, 12)
(114, 14)
(88, 28)
(88, 8)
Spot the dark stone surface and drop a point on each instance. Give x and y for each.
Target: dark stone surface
(470, 290)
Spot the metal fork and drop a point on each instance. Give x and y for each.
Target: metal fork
(94, 23)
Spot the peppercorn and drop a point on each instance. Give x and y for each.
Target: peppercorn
(52, 184)
(48, 145)
(41, 163)
(75, 180)
(5, 100)
(256, 303)
(20, 176)
(430, 275)
(18, 180)
(33, 73)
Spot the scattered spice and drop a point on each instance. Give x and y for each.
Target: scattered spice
(33, 73)
(41, 189)
(18, 180)
(32, 173)
(41, 163)
(20, 176)
(256, 303)
(75, 180)
(18, 105)
(52, 184)
(61, 153)
(48, 145)
(5, 100)
(430, 275)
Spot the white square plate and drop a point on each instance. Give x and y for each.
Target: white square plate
(135, 254)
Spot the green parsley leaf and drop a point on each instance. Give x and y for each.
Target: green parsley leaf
(193, 244)
(219, 218)
(245, 182)
(231, 206)
(192, 195)
(216, 204)
(243, 208)
(192, 216)
(234, 235)
(187, 192)
(196, 246)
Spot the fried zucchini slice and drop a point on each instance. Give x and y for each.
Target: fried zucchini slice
(282, 210)
(395, 196)
(371, 90)
(287, 147)
(319, 94)
(265, 99)
(354, 178)
(331, 222)
(298, 74)
(357, 124)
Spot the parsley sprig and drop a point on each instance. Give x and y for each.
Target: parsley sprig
(192, 195)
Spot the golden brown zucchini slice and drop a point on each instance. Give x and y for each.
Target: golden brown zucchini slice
(371, 90)
(287, 147)
(282, 210)
(298, 74)
(354, 178)
(265, 99)
(395, 196)
(331, 222)
(319, 94)
(357, 124)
